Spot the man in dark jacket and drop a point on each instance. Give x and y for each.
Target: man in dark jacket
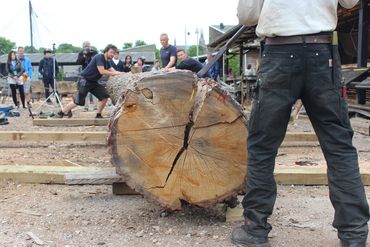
(46, 69)
(83, 59)
(188, 63)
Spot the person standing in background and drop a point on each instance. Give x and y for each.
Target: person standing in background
(83, 59)
(117, 63)
(127, 64)
(167, 52)
(27, 75)
(15, 78)
(46, 69)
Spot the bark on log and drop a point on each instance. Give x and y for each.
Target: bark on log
(174, 137)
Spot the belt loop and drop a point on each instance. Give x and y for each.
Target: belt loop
(304, 41)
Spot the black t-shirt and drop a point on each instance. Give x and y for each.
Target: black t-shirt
(191, 64)
(167, 53)
(91, 72)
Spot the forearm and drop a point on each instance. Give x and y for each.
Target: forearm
(171, 63)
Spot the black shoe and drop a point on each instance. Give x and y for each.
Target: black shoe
(60, 114)
(98, 115)
(354, 243)
(68, 114)
(241, 237)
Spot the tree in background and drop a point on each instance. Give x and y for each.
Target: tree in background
(127, 45)
(234, 64)
(192, 50)
(6, 45)
(67, 48)
(139, 43)
(28, 49)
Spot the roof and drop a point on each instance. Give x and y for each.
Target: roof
(70, 58)
(142, 48)
(222, 28)
(249, 34)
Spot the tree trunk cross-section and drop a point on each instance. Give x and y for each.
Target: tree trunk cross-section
(174, 137)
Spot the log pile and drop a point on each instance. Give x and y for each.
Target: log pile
(175, 138)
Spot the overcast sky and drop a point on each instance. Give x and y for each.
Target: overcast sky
(112, 21)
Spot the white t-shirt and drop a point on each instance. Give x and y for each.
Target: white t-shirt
(298, 17)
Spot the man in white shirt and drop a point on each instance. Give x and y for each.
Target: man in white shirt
(300, 60)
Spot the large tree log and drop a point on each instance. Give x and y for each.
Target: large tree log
(176, 138)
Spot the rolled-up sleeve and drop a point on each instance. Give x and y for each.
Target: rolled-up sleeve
(348, 3)
(249, 11)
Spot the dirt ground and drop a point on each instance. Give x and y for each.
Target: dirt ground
(61, 215)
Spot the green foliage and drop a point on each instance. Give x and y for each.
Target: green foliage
(157, 54)
(127, 45)
(6, 45)
(67, 48)
(234, 64)
(139, 43)
(28, 49)
(192, 51)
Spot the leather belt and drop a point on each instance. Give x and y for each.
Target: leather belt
(301, 39)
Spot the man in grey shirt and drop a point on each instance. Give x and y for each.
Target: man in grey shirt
(300, 60)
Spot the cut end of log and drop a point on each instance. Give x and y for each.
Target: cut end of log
(176, 139)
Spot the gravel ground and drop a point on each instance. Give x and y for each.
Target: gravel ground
(60, 215)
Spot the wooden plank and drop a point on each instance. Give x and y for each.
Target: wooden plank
(101, 136)
(45, 174)
(70, 121)
(309, 176)
(121, 188)
(296, 176)
(300, 137)
(52, 136)
(95, 177)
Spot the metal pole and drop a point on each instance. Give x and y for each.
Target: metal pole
(185, 40)
(362, 35)
(30, 15)
(197, 32)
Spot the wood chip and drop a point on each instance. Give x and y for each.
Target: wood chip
(35, 239)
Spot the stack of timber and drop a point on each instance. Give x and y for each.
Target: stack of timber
(174, 137)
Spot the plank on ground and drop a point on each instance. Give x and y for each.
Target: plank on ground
(52, 136)
(74, 174)
(101, 136)
(70, 122)
(296, 176)
(45, 174)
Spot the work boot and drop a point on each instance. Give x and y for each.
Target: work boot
(354, 243)
(98, 115)
(68, 114)
(241, 237)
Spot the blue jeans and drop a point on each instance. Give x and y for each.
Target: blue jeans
(310, 72)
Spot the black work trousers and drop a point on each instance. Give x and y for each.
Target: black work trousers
(13, 88)
(48, 83)
(310, 72)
